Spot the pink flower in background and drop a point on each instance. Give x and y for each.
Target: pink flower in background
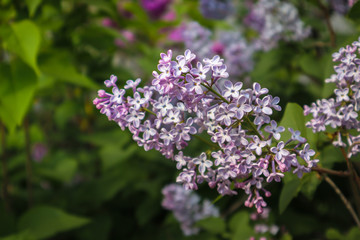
(38, 152)
(108, 22)
(129, 37)
(155, 8)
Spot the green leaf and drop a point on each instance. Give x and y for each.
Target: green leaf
(59, 65)
(329, 156)
(24, 41)
(309, 184)
(98, 229)
(18, 85)
(354, 234)
(62, 171)
(311, 66)
(294, 118)
(288, 192)
(25, 235)
(45, 221)
(239, 226)
(354, 12)
(333, 234)
(212, 224)
(32, 6)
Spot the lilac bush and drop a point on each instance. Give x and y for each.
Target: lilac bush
(341, 111)
(186, 207)
(189, 99)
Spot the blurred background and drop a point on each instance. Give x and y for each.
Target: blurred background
(69, 173)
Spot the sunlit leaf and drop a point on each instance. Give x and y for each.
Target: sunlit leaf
(24, 41)
(18, 85)
(212, 224)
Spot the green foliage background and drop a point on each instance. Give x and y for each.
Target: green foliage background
(95, 183)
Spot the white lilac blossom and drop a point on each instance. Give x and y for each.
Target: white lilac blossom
(245, 147)
(216, 9)
(231, 45)
(341, 111)
(274, 21)
(186, 207)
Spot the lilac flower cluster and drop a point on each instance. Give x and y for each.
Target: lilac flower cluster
(342, 111)
(216, 9)
(275, 20)
(187, 207)
(231, 45)
(189, 98)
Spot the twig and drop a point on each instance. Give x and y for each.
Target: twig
(330, 171)
(28, 163)
(234, 206)
(343, 198)
(354, 180)
(325, 11)
(7, 200)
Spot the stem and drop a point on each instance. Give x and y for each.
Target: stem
(28, 163)
(343, 198)
(215, 92)
(212, 145)
(325, 11)
(354, 180)
(4, 191)
(253, 127)
(234, 206)
(148, 110)
(330, 171)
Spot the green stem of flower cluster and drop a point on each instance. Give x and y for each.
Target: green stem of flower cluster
(148, 110)
(215, 92)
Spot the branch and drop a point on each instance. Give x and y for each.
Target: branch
(343, 198)
(330, 171)
(28, 163)
(5, 193)
(325, 11)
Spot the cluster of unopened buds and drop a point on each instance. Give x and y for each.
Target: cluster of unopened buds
(341, 112)
(189, 99)
(187, 207)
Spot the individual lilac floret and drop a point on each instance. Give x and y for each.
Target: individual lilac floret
(216, 9)
(341, 112)
(274, 21)
(187, 208)
(187, 98)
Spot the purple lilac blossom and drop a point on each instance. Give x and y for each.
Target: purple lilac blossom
(341, 112)
(216, 9)
(186, 207)
(188, 98)
(274, 21)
